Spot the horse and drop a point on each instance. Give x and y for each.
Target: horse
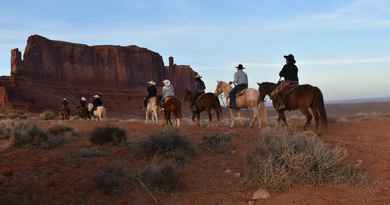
(303, 98)
(99, 113)
(83, 113)
(172, 105)
(204, 102)
(249, 99)
(64, 113)
(151, 111)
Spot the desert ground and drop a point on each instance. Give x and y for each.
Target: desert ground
(58, 176)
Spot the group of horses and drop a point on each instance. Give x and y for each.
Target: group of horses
(86, 113)
(305, 98)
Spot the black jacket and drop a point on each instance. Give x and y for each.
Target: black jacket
(97, 102)
(152, 91)
(199, 86)
(289, 72)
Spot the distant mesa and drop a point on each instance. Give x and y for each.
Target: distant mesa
(50, 70)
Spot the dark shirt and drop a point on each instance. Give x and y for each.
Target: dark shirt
(83, 103)
(289, 72)
(199, 86)
(97, 102)
(152, 91)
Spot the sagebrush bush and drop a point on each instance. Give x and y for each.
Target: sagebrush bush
(162, 177)
(28, 134)
(219, 143)
(114, 178)
(170, 143)
(107, 135)
(48, 115)
(280, 161)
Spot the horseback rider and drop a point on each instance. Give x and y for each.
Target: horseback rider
(167, 91)
(290, 74)
(83, 102)
(198, 89)
(240, 82)
(97, 102)
(152, 92)
(65, 106)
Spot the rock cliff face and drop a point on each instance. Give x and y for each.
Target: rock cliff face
(51, 70)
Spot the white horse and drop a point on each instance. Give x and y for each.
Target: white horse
(99, 113)
(247, 99)
(151, 112)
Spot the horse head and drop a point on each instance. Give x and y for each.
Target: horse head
(265, 89)
(222, 87)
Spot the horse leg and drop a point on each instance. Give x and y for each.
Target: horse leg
(210, 115)
(282, 116)
(232, 120)
(254, 117)
(217, 113)
(146, 117)
(262, 115)
(309, 117)
(316, 118)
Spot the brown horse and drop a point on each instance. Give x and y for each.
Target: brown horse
(303, 98)
(205, 102)
(172, 105)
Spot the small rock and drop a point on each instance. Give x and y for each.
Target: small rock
(237, 175)
(228, 171)
(261, 194)
(251, 202)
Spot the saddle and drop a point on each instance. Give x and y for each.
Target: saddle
(242, 92)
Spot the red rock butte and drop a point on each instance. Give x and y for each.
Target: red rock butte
(51, 70)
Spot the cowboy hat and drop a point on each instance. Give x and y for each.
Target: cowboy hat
(96, 96)
(152, 82)
(290, 57)
(240, 67)
(198, 76)
(167, 82)
(83, 99)
(64, 99)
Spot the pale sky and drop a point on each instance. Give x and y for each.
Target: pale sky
(342, 46)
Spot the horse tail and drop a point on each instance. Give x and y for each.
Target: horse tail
(320, 105)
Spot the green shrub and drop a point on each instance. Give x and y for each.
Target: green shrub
(114, 178)
(106, 135)
(280, 161)
(170, 143)
(163, 178)
(27, 134)
(218, 143)
(48, 115)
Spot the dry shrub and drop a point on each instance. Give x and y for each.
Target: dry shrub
(27, 134)
(108, 135)
(219, 143)
(114, 178)
(48, 115)
(161, 177)
(169, 143)
(280, 161)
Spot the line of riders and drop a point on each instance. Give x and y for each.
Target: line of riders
(280, 94)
